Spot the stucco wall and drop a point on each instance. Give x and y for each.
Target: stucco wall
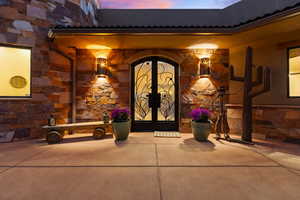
(275, 115)
(273, 56)
(26, 23)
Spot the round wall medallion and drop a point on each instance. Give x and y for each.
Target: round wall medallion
(18, 82)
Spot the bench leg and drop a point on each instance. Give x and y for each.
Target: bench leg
(54, 137)
(99, 133)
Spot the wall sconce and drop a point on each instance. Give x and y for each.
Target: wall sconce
(204, 66)
(102, 71)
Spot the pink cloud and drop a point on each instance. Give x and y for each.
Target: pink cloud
(136, 3)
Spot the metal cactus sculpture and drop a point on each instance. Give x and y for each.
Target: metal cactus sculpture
(263, 77)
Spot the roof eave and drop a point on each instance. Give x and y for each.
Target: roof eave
(224, 30)
(137, 30)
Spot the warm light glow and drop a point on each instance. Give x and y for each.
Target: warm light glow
(101, 80)
(203, 80)
(101, 55)
(96, 46)
(294, 73)
(201, 56)
(15, 72)
(204, 46)
(102, 51)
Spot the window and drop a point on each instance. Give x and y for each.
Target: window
(15, 72)
(294, 72)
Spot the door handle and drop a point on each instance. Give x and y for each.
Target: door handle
(158, 100)
(150, 100)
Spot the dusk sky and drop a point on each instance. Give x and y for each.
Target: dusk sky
(166, 3)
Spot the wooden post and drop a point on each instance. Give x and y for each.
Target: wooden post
(263, 76)
(247, 109)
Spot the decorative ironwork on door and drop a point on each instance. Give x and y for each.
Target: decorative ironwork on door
(154, 94)
(166, 91)
(143, 82)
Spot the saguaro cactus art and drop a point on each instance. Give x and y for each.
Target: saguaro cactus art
(263, 77)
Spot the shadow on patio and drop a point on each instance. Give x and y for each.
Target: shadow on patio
(143, 167)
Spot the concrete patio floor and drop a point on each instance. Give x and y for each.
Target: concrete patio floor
(151, 168)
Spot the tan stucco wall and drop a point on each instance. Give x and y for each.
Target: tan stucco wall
(273, 56)
(274, 114)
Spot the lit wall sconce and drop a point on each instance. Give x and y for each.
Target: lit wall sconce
(204, 66)
(102, 71)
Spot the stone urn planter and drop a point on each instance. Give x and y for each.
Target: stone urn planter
(200, 124)
(120, 124)
(200, 130)
(121, 130)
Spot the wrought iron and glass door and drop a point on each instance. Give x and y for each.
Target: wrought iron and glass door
(154, 99)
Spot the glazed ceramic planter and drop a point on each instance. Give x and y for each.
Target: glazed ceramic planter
(200, 130)
(121, 130)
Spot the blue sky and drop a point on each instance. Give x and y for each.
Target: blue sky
(166, 3)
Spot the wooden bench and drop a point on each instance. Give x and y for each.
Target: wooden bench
(55, 133)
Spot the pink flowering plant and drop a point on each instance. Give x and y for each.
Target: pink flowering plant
(200, 115)
(120, 115)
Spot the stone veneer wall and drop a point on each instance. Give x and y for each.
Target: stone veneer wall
(26, 23)
(95, 97)
(269, 121)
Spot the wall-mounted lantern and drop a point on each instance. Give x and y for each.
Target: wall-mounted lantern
(102, 70)
(204, 52)
(204, 66)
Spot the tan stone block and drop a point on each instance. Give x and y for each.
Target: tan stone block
(260, 136)
(39, 97)
(12, 30)
(234, 113)
(235, 125)
(36, 12)
(274, 115)
(57, 59)
(2, 38)
(186, 120)
(123, 67)
(22, 25)
(65, 97)
(294, 132)
(58, 106)
(292, 114)
(45, 81)
(27, 41)
(258, 114)
(123, 77)
(9, 13)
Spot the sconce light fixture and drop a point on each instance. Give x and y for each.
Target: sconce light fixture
(102, 71)
(204, 66)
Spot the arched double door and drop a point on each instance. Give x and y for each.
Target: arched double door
(154, 94)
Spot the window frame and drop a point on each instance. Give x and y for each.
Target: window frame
(19, 97)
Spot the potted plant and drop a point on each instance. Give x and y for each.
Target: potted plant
(200, 124)
(120, 123)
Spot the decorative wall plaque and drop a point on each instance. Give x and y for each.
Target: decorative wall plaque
(18, 82)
